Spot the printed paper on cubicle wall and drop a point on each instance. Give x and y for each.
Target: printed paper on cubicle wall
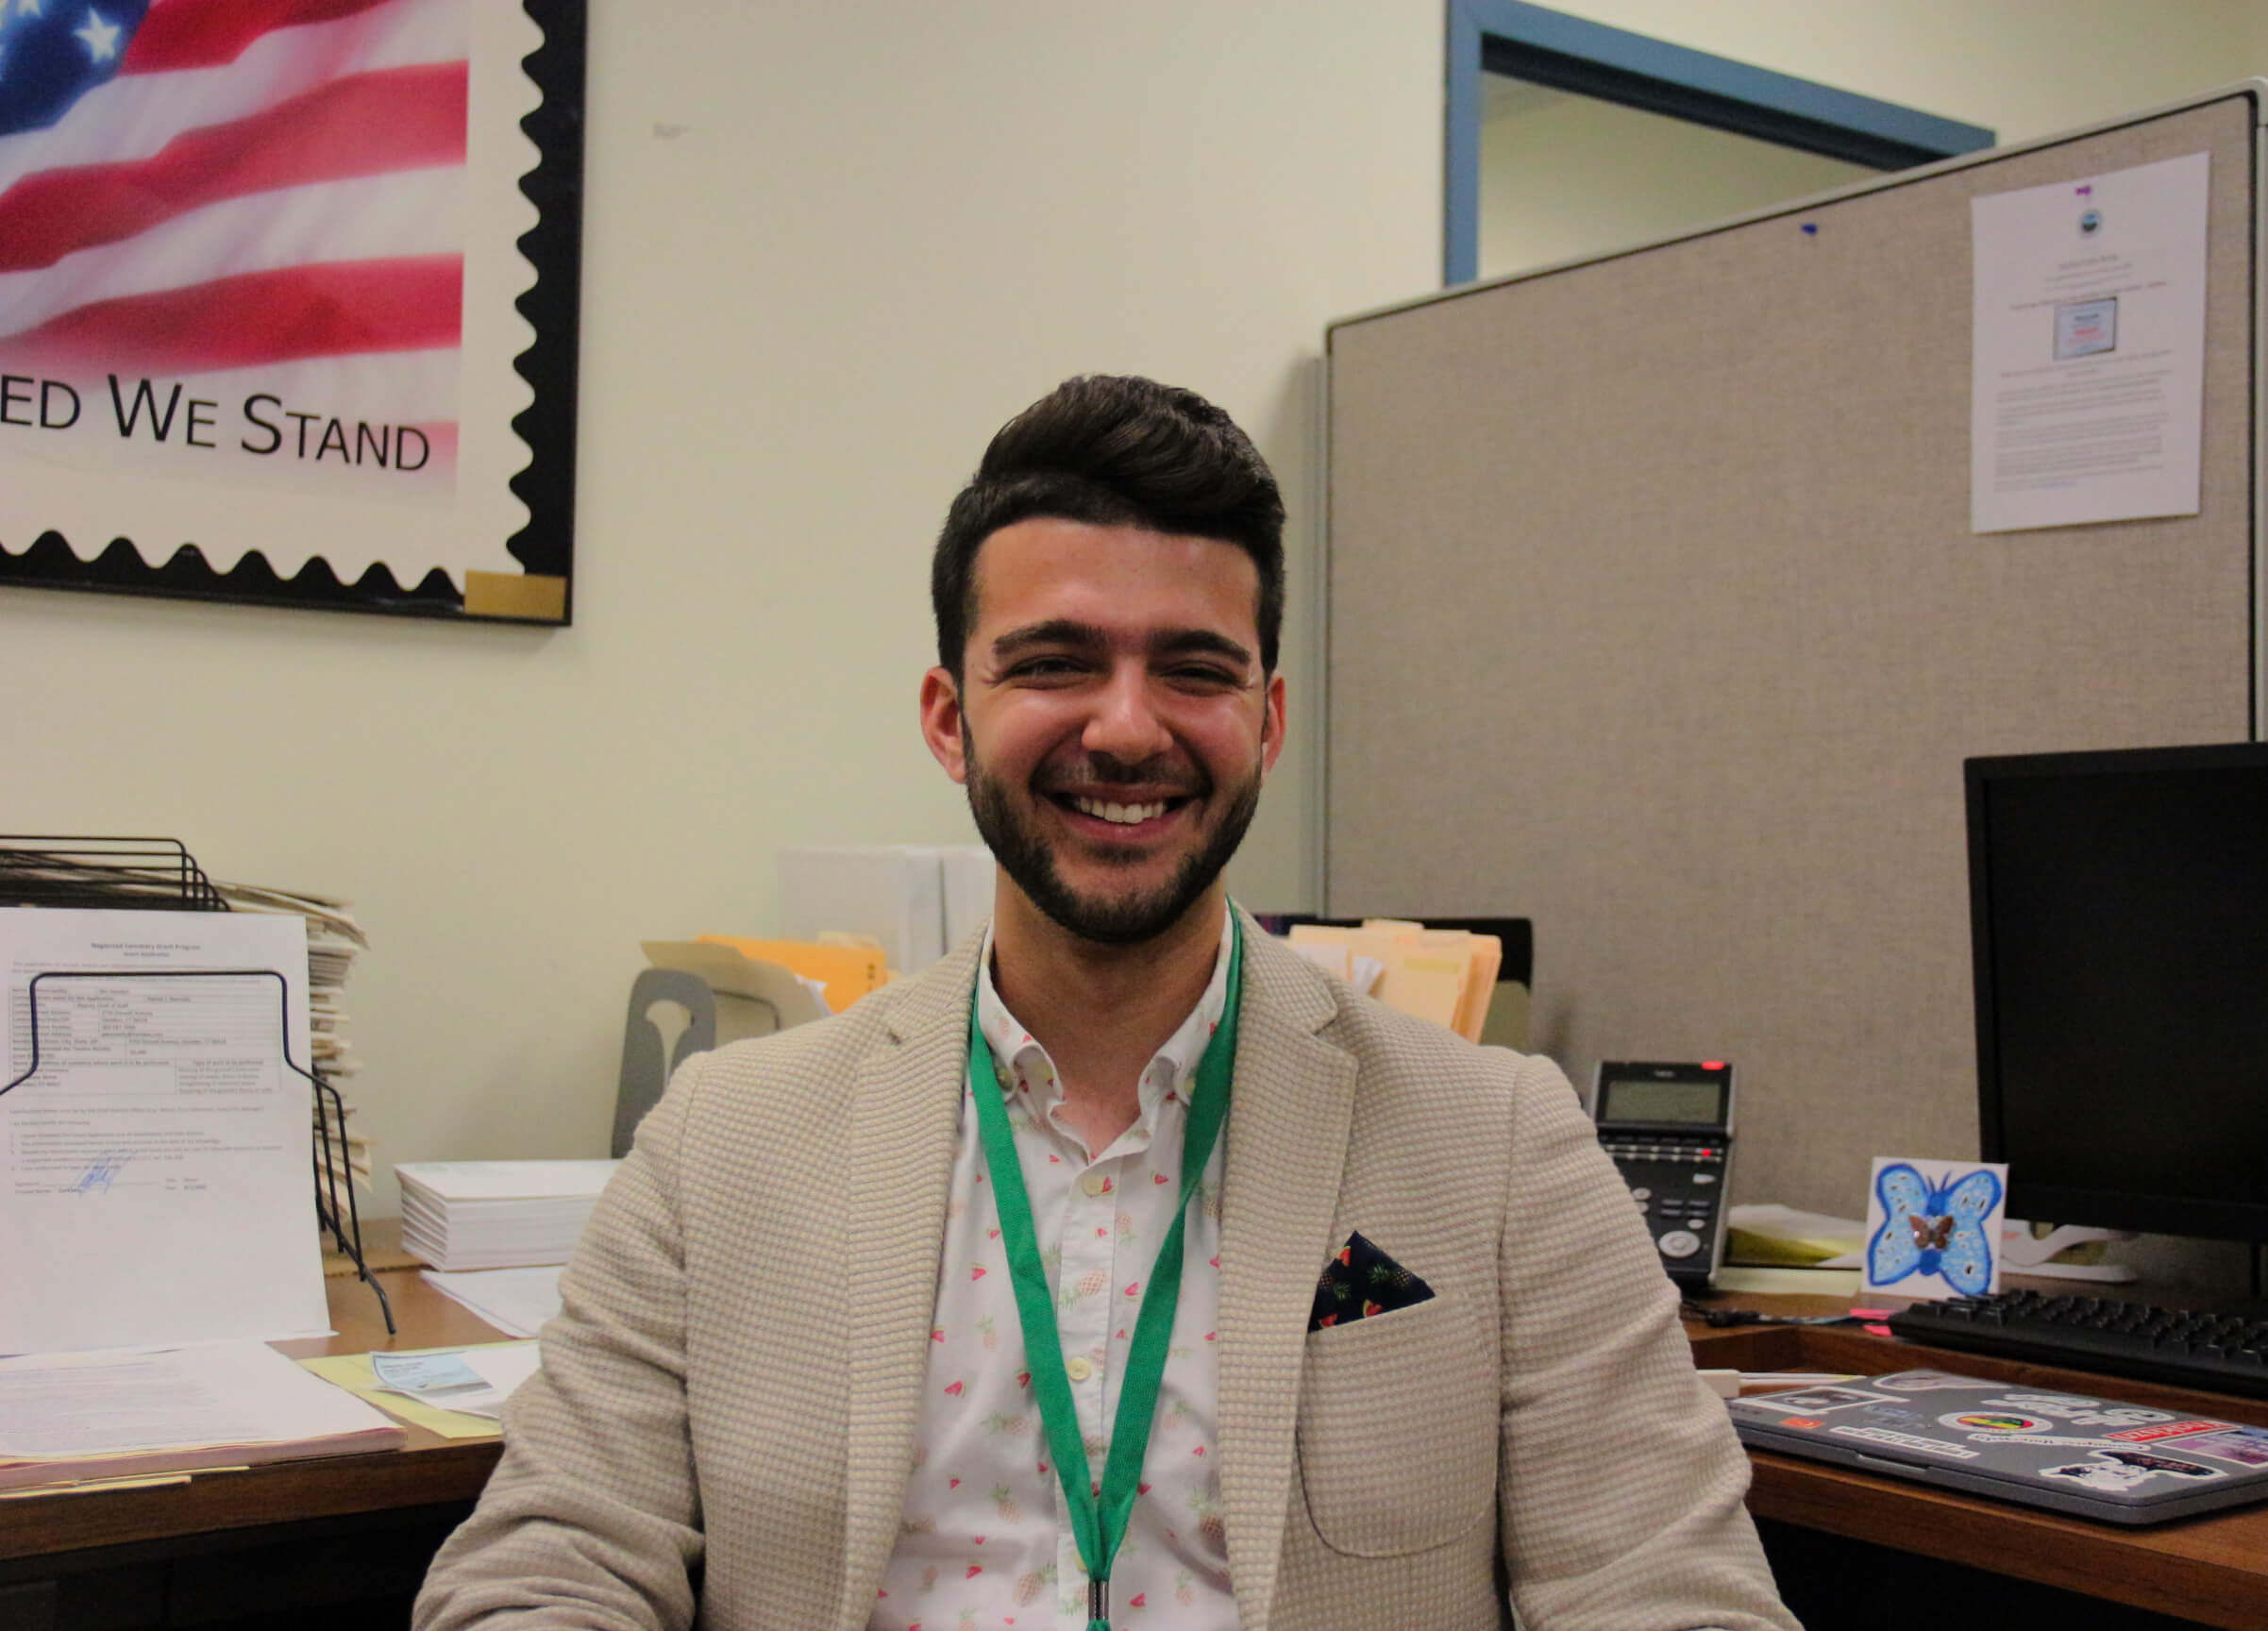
(2088, 381)
(156, 1176)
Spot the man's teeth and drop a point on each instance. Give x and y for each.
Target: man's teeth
(1125, 815)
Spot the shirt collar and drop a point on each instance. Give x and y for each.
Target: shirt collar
(1169, 1068)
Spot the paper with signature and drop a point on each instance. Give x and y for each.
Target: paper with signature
(155, 1159)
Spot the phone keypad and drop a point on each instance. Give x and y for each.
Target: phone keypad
(1675, 1185)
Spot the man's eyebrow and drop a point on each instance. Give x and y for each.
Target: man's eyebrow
(1068, 634)
(1194, 642)
(1052, 632)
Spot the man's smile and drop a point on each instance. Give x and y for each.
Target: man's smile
(1120, 815)
(1116, 807)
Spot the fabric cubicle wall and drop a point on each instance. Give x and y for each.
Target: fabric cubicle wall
(1654, 617)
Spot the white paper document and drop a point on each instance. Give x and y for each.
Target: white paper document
(2088, 362)
(221, 1403)
(156, 1185)
(517, 1300)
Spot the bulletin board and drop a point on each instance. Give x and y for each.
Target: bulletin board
(1654, 616)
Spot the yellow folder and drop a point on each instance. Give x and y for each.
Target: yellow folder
(1445, 975)
(849, 972)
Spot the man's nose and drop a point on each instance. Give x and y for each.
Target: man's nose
(1125, 723)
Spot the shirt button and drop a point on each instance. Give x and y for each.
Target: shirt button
(1092, 1182)
(1078, 1368)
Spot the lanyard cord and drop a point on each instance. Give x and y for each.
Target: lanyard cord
(1098, 1519)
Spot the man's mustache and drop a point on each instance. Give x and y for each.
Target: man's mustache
(1101, 769)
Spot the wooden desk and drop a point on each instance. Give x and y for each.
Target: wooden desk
(339, 1540)
(2211, 1571)
(342, 1541)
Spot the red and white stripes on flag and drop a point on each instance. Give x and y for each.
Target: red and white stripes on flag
(265, 202)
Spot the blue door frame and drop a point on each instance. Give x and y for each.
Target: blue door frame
(1572, 54)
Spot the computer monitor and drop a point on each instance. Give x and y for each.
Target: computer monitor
(2120, 911)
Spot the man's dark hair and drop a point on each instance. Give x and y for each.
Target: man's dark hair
(1114, 451)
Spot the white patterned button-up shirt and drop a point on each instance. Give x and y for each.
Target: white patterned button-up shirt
(982, 1540)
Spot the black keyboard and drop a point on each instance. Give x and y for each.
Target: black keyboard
(2185, 1347)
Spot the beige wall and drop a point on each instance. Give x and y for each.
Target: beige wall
(2021, 68)
(1565, 177)
(829, 247)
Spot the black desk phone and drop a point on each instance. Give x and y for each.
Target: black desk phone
(1670, 1130)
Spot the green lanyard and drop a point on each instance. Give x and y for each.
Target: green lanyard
(1100, 1526)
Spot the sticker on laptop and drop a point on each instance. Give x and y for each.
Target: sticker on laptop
(2145, 1461)
(2050, 1441)
(2245, 1446)
(1995, 1423)
(2114, 1472)
(1816, 1401)
(2173, 1429)
(2077, 1409)
(1904, 1415)
(1925, 1382)
(1908, 1442)
(2105, 1477)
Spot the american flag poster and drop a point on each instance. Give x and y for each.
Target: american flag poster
(280, 316)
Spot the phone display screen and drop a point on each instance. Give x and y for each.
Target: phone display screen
(1684, 1103)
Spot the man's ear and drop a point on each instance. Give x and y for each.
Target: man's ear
(1271, 725)
(941, 722)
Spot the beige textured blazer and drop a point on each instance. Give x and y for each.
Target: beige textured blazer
(723, 1424)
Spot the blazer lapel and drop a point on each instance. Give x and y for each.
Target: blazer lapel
(1289, 1119)
(906, 1108)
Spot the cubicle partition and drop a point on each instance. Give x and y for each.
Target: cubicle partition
(1655, 616)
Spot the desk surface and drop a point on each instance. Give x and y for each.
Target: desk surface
(427, 1471)
(2213, 1570)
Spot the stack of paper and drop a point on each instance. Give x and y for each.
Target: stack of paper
(497, 1213)
(1445, 975)
(334, 939)
(73, 1416)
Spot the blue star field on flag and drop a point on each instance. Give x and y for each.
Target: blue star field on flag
(53, 51)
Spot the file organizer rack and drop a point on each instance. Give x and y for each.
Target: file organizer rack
(138, 874)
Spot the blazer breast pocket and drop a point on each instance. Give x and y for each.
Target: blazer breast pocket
(1398, 1430)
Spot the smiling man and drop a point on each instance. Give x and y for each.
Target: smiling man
(1122, 1269)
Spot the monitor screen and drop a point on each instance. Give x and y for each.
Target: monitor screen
(2120, 911)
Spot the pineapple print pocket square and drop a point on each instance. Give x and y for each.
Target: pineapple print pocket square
(1358, 1281)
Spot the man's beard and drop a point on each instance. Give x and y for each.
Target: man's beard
(1123, 920)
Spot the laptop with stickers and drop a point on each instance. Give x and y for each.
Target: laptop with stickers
(2070, 1451)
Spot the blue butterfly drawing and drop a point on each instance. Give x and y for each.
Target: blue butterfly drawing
(1934, 1229)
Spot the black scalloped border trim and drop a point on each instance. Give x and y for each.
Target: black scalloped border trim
(49, 564)
(546, 545)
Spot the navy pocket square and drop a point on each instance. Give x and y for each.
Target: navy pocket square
(1358, 1281)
